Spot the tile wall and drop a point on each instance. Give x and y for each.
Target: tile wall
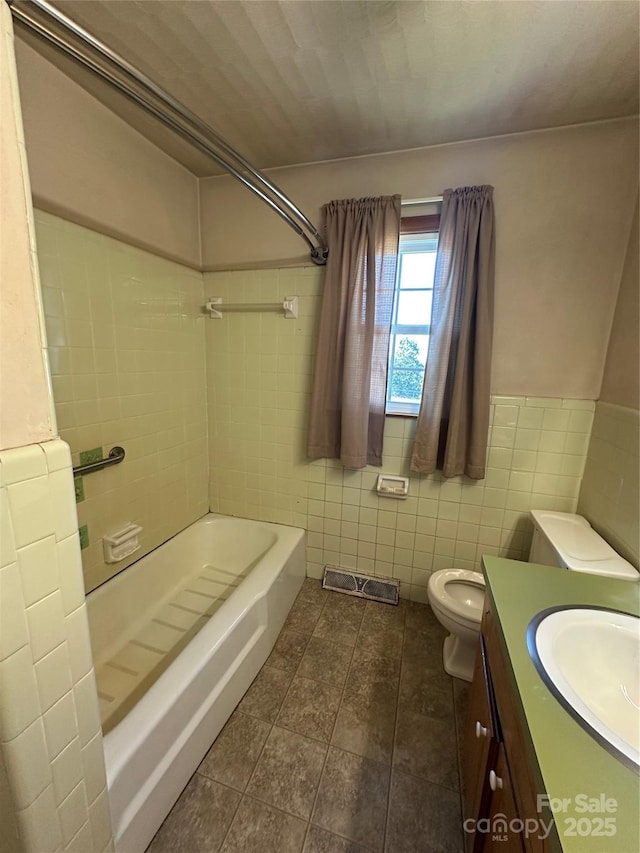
(609, 494)
(259, 370)
(126, 348)
(50, 735)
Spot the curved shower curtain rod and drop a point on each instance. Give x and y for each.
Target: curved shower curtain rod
(39, 16)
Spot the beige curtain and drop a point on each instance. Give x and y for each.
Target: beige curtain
(350, 379)
(453, 423)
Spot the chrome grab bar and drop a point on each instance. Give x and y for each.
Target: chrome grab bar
(169, 111)
(115, 457)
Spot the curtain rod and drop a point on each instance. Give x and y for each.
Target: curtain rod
(39, 16)
(416, 201)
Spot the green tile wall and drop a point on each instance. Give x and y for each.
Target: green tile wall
(129, 366)
(89, 456)
(126, 347)
(259, 369)
(610, 488)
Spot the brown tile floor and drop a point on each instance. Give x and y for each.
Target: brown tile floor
(346, 742)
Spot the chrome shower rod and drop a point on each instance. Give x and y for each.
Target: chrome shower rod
(50, 24)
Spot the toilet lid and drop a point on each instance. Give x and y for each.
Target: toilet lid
(460, 591)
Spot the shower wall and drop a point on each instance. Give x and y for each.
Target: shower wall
(259, 370)
(126, 348)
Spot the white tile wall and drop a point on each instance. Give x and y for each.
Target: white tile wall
(259, 381)
(50, 735)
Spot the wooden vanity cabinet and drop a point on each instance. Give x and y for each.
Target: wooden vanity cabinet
(497, 778)
(480, 748)
(501, 802)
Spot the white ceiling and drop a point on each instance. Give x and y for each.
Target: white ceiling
(294, 81)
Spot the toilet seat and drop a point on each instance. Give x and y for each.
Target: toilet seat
(460, 592)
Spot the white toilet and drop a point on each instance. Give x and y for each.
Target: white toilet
(560, 539)
(456, 597)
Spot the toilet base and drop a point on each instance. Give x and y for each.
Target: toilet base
(459, 655)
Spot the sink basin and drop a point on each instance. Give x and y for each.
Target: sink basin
(589, 658)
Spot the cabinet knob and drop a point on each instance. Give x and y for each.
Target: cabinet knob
(481, 730)
(495, 782)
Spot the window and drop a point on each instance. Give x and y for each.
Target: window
(411, 319)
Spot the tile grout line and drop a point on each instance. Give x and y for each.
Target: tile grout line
(349, 752)
(428, 782)
(344, 687)
(459, 744)
(309, 737)
(272, 726)
(328, 744)
(228, 788)
(395, 731)
(458, 764)
(243, 793)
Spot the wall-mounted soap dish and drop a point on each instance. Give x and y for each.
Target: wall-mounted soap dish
(389, 486)
(121, 544)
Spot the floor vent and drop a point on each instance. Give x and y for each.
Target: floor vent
(364, 586)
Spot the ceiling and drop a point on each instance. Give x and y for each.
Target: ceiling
(293, 82)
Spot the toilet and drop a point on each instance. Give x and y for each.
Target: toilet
(456, 597)
(568, 540)
(560, 539)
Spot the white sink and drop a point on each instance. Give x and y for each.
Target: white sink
(590, 660)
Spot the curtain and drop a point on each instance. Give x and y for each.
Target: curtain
(453, 423)
(350, 379)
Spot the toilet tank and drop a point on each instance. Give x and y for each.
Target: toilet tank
(568, 540)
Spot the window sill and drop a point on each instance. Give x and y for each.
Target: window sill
(388, 414)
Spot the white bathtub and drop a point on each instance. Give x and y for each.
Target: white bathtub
(169, 720)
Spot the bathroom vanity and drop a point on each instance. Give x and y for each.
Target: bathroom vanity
(534, 779)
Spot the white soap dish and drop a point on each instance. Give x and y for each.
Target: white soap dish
(121, 544)
(389, 486)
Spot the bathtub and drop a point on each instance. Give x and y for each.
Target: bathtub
(177, 639)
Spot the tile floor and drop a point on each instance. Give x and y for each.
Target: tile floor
(346, 742)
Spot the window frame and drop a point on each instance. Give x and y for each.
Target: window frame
(425, 227)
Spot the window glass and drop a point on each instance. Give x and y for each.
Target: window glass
(413, 304)
(416, 266)
(411, 322)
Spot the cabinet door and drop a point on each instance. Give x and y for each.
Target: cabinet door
(524, 787)
(499, 836)
(480, 748)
